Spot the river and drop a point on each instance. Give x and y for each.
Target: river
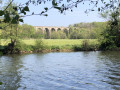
(61, 71)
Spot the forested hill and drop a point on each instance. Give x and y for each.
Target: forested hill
(89, 25)
(87, 30)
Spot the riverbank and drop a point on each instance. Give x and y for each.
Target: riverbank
(51, 45)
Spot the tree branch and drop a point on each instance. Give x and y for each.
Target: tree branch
(8, 5)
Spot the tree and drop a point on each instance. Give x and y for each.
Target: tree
(111, 35)
(62, 35)
(10, 29)
(61, 6)
(27, 31)
(55, 35)
(86, 30)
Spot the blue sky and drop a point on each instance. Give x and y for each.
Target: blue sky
(55, 18)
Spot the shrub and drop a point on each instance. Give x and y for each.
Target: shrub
(20, 46)
(39, 45)
(55, 47)
(77, 48)
(85, 45)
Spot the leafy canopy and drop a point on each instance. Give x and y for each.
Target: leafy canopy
(20, 10)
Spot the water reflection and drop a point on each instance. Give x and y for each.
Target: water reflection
(112, 62)
(8, 72)
(63, 71)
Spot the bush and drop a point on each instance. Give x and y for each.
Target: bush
(77, 48)
(39, 45)
(20, 46)
(107, 44)
(55, 47)
(85, 45)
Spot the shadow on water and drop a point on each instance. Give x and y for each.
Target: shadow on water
(112, 61)
(61, 70)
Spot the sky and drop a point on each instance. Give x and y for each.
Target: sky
(55, 18)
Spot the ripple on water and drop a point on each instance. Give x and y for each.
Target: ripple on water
(61, 71)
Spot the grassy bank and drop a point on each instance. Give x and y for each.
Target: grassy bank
(30, 45)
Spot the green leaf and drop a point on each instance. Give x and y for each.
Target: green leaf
(21, 20)
(54, 3)
(98, 9)
(45, 15)
(58, 8)
(1, 12)
(26, 8)
(42, 12)
(23, 12)
(46, 8)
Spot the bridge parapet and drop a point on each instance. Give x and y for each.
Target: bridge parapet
(50, 28)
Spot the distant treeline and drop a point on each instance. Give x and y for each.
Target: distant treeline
(86, 30)
(77, 31)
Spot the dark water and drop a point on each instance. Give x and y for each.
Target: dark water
(61, 71)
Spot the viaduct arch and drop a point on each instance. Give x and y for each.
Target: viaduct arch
(49, 29)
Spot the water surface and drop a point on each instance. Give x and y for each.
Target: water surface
(61, 71)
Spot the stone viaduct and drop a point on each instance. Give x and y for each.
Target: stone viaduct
(49, 29)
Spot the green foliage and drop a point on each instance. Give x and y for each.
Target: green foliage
(12, 14)
(86, 30)
(111, 36)
(1, 83)
(85, 45)
(21, 46)
(39, 45)
(77, 47)
(58, 35)
(26, 31)
(37, 34)
(55, 35)
(55, 47)
(59, 5)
